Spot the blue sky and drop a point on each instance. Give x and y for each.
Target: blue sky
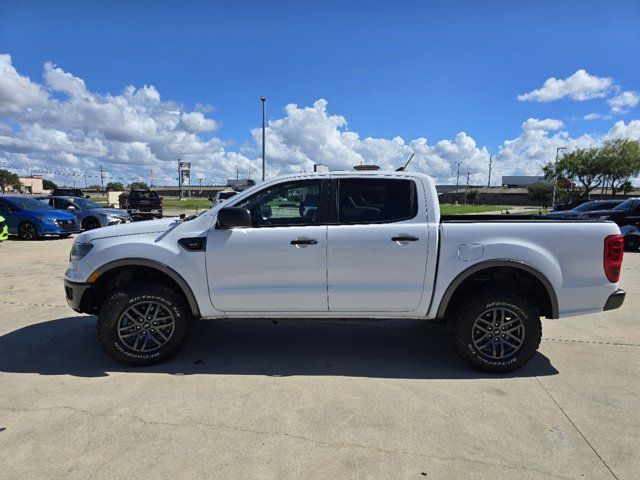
(408, 69)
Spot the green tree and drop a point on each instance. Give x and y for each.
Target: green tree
(620, 161)
(115, 187)
(48, 184)
(472, 196)
(584, 165)
(541, 193)
(94, 187)
(138, 186)
(626, 188)
(8, 179)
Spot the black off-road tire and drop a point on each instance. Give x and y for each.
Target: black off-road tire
(90, 223)
(113, 310)
(464, 327)
(631, 244)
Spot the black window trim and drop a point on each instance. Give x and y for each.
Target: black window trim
(336, 202)
(323, 200)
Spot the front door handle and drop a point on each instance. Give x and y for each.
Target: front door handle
(304, 241)
(405, 238)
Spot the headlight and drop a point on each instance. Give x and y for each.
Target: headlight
(47, 219)
(79, 250)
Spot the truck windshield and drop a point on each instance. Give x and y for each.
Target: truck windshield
(144, 194)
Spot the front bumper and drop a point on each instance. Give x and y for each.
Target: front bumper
(60, 227)
(76, 295)
(615, 300)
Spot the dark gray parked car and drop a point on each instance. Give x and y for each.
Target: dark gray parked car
(585, 208)
(90, 215)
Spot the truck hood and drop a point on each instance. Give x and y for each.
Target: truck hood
(135, 228)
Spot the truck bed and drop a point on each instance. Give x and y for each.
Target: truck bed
(473, 218)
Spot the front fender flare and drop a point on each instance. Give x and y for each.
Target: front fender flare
(145, 262)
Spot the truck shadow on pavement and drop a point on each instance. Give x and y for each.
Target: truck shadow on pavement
(360, 348)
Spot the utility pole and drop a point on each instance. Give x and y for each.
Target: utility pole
(237, 175)
(151, 172)
(555, 176)
(489, 183)
(264, 115)
(101, 179)
(458, 180)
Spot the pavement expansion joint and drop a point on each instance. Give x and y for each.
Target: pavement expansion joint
(573, 423)
(592, 342)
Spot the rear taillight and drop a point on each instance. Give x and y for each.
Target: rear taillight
(613, 252)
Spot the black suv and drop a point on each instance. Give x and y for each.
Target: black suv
(141, 203)
(68, 192)
(627, 213)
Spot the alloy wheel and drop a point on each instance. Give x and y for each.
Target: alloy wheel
(146, 326)
(498, 333)
(27, 231)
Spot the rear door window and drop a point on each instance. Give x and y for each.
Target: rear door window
(363, 200)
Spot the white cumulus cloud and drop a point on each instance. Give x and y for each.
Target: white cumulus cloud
(64, 129)
(623, 101)
(579, 86)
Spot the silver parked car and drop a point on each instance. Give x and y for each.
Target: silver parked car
(90, 215)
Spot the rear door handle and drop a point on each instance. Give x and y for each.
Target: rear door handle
(405, 238)
(304, 241)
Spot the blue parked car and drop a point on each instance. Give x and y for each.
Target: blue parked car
(30, 219)
(89, 214)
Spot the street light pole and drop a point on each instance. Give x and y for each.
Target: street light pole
(264, 111)
(555, 176)
(489, 183)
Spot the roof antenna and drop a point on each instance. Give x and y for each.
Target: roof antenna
(401, 169)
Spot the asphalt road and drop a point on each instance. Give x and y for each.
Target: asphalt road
(307, 399)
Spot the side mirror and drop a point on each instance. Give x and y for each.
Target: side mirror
(231, 217)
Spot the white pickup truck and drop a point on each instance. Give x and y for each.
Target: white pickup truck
(344, 245)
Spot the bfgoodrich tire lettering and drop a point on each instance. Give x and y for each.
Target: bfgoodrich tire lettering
(143, 325)
(496, 331)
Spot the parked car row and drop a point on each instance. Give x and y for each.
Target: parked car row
(31, 218)
(626, 213)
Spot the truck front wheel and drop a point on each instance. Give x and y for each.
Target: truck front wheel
(143, 325)
(496, 331)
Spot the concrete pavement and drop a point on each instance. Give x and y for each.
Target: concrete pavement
(307, 399)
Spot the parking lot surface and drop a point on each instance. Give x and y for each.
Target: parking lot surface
(307, 399)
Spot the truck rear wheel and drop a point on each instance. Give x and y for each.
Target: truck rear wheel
(496, 331)
(143, 325)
